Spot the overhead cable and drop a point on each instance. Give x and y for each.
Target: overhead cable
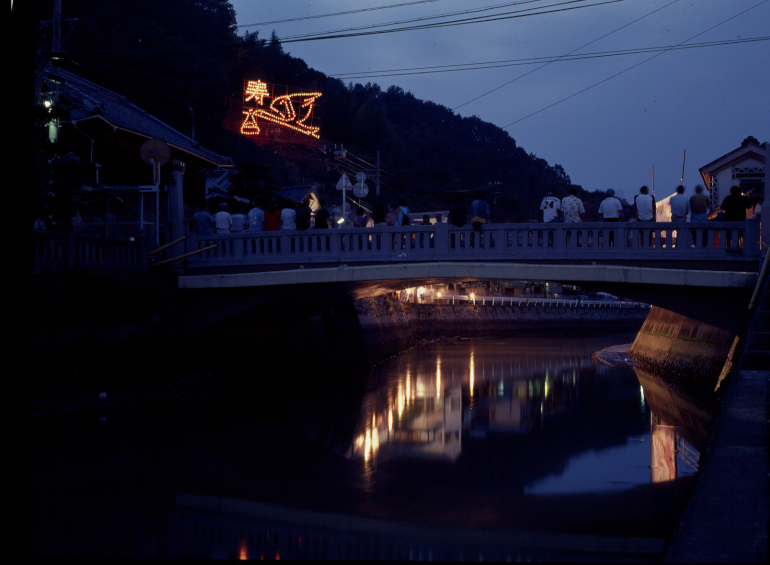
(536, 60)
(335, 14)
(632, 66)
(503, 85)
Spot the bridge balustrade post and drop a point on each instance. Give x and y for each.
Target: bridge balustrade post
(559, 236)
(285, 244)
(71, 249)
(501, 241)
(239, 247)
(441, 243)
(751, 238)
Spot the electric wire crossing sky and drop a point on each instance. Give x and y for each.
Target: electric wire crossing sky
(294, 111)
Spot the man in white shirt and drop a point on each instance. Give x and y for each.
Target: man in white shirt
(238, 221)
(572, 207)
(645, 206)
(551, 207)
(223, 220)
(611, 210)
(256, 219)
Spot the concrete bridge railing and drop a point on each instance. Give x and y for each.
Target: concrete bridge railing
(712, 241)
(55, 250)
(528, 301)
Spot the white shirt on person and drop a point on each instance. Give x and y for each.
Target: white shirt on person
(238, 221)
(224, 222)
(610, 207)
(572, 207)
(644, 207)
(288, 219)
(256, 219)
(550, 207)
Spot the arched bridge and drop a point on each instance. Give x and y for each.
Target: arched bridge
(705, 271)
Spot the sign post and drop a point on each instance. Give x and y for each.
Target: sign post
(343, 184)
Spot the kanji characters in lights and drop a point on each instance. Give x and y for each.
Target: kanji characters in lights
(290, 110)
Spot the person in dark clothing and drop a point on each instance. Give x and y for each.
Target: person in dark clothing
(735, 206)
(272, 217)
(378, 214)
(303, 216)
(361, 219)
(204, 221)
(458, 213)
(321, 217)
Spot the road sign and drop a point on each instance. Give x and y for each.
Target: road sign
(360, 189)
(361, 177)
(344, 183)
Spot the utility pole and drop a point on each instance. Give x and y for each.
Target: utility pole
(377, 192)
(56, 25)
(56, 48)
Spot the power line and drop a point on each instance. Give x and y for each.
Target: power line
(464, 21)
(419, 19)
(631, 67)
(333, 14)
(536, 60)
(488, 92)
(316, 37)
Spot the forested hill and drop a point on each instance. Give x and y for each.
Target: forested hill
(168, 64)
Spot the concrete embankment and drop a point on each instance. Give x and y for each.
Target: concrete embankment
(728, 515)
(389, 326)
(692, 355)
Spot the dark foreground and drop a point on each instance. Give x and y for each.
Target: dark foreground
(502, 449)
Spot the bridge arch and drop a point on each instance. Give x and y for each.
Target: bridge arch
(717, 298)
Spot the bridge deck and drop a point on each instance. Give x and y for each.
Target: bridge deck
(437, 271)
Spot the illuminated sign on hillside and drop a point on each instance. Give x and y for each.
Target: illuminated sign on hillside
(293, 111)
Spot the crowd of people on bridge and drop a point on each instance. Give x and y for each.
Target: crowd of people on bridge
(695, 208)
(268, 216)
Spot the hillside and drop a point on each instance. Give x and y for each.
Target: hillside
(428, 153)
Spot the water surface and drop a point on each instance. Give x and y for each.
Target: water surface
(506, 435)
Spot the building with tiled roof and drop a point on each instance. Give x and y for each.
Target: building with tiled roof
(301, 193)
(744, 166)
(110, 130)
(219, 182)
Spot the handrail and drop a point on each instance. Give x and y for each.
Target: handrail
(159, 249)
(760, 280)
(185, 255)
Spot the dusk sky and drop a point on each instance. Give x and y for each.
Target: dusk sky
(705, 100)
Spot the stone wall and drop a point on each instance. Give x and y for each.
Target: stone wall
(693, 355)
(389, 327)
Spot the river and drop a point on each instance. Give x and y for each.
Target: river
(504, 435)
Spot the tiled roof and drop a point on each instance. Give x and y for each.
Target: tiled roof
(218, 182)
(296, 193)
(89, 99)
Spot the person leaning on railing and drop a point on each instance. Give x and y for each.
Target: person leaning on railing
(645, 206)
(378, 214)
(735, 205)
(572, 207)
(611, 210)
(699, 205)
(680, 205)
(322, 216)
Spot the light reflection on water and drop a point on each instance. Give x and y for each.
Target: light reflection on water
(593, 429)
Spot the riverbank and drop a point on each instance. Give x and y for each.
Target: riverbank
(390, 327)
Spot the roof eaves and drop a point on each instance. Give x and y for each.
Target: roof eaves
(728, 158)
